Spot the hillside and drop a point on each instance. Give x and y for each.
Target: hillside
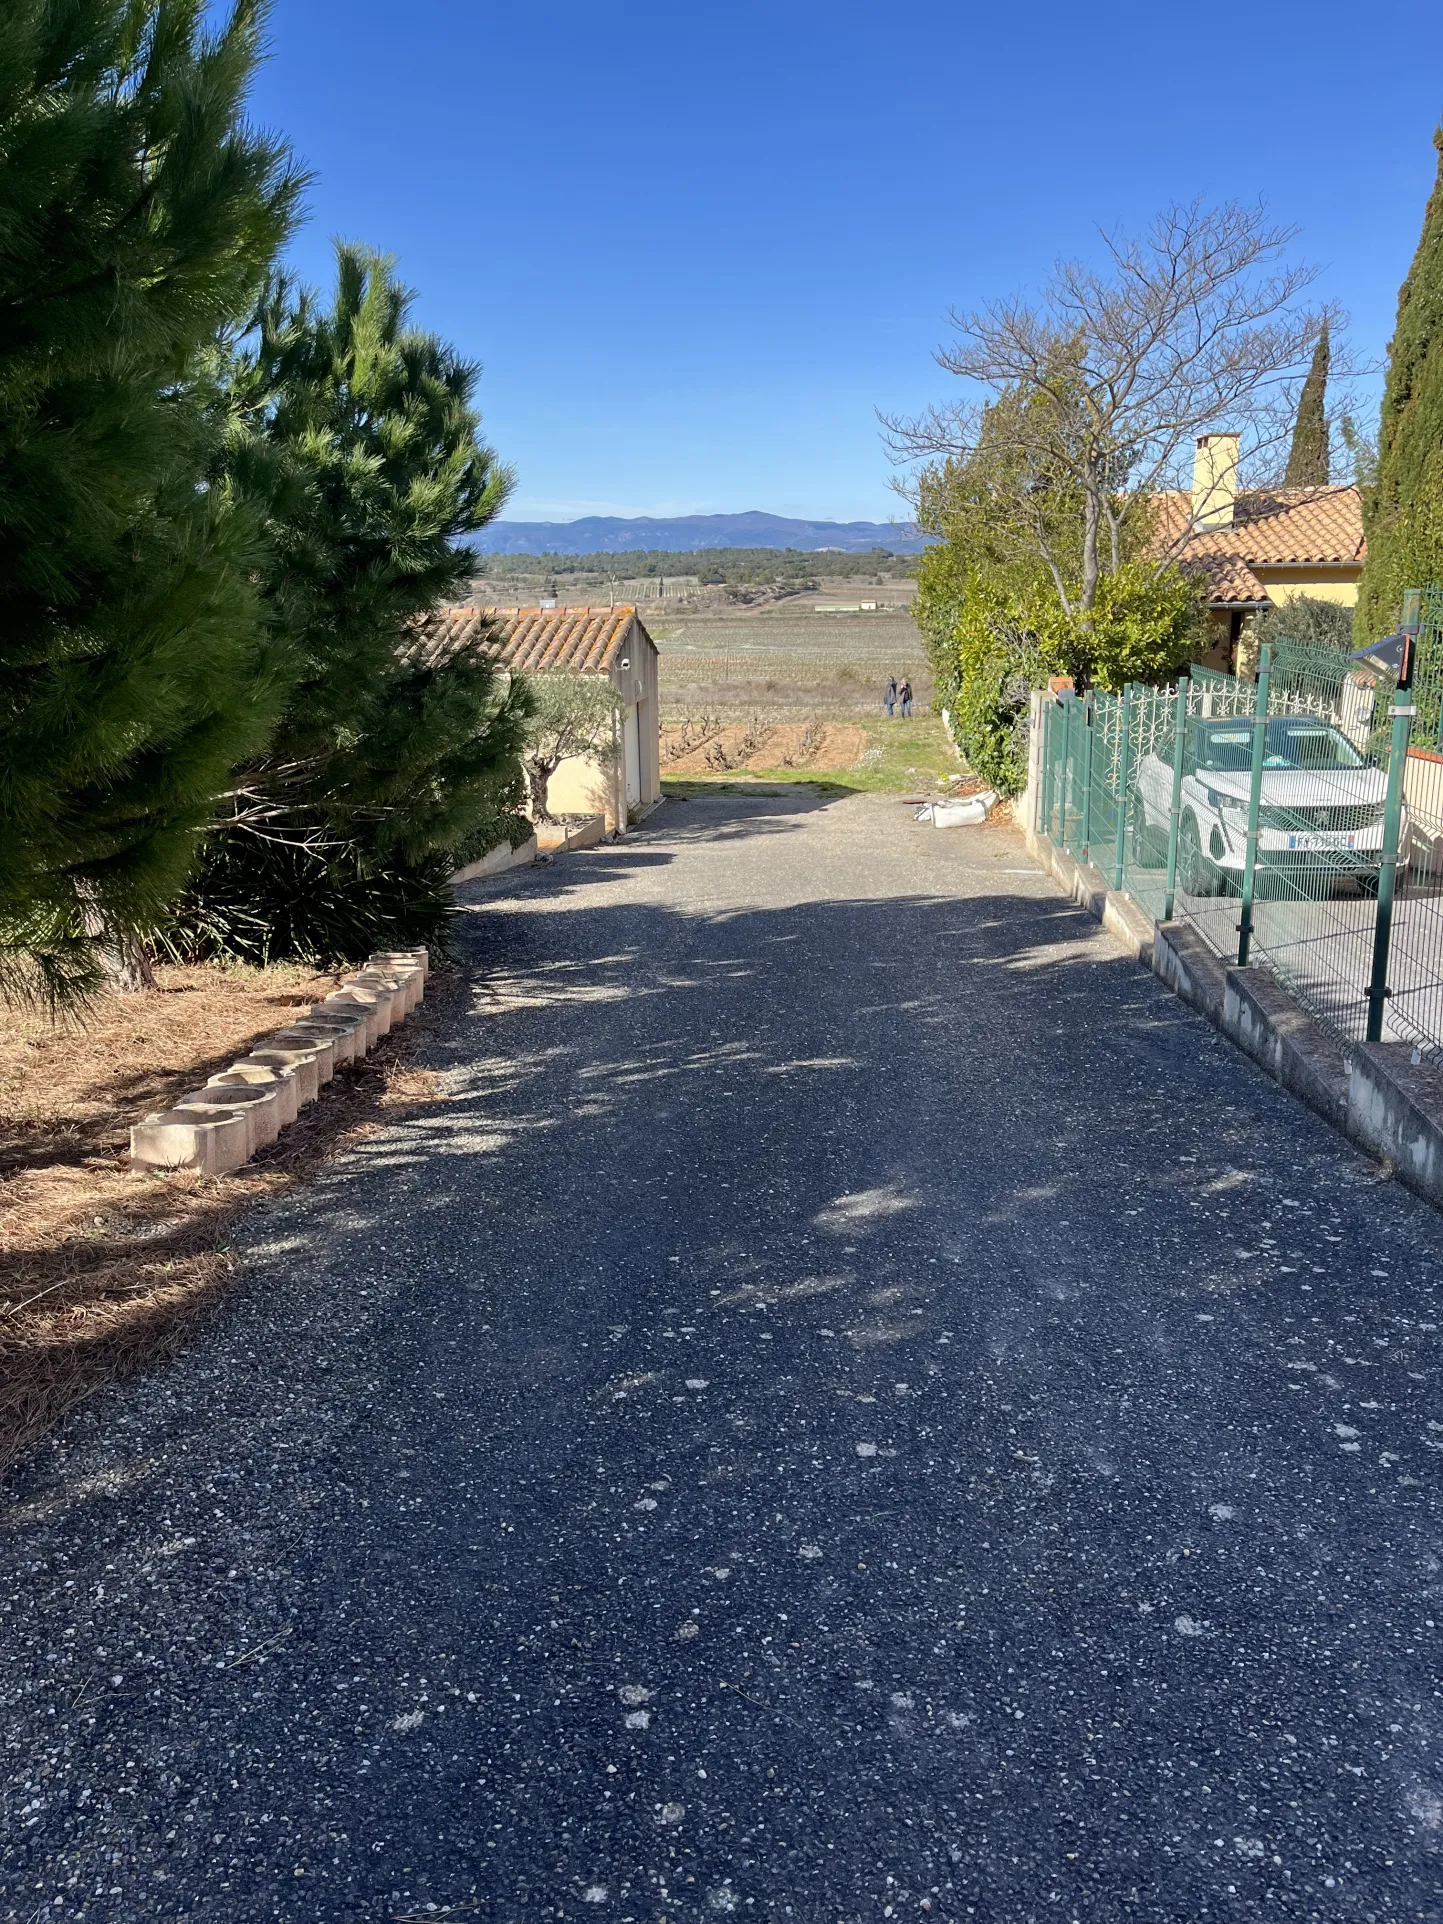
(624, 574)
(615, 534)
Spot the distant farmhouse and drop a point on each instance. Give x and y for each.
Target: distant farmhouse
(610, 642)
(1257, 549)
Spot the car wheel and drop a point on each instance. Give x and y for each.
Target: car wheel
(1421, 875)
(1195, 873)
(1149, 849)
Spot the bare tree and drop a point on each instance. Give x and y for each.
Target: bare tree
(1084, 406)
(571, 715)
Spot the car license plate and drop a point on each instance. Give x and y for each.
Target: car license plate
(1321, 841)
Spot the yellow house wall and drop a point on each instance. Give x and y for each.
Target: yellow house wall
(1339, 585)
(581, 787)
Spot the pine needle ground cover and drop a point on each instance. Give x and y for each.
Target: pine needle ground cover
(102, 1271)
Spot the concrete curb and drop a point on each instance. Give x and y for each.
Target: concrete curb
(245, 1107)
(555, 839)
(496, 861)
(1395, 1109)
(1389, 1105)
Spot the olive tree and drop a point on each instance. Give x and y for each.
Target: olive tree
(572, 715)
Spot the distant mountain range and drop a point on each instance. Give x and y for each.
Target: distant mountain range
(615, 534)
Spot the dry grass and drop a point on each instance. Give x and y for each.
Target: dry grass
(104, 1270)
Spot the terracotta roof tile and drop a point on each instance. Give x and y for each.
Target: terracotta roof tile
(1272, 528)
(531, 640)
(1228, 578)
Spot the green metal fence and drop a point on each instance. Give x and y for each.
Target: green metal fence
(1296, 821)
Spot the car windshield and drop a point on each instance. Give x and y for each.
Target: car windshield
(1293, 741)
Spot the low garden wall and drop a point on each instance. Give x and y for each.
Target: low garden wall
(245, 1107)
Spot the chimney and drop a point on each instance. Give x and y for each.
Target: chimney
(1214, 480)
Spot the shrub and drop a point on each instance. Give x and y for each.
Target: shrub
(989, 694)
(1403, 508)
(1308, 618)
(1142, 627)
(512, 827)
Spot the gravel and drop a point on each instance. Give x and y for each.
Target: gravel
(851, 1403)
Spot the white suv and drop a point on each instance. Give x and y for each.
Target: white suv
(1320, 813)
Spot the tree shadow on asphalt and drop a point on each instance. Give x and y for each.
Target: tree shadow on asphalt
(1000, 1054)
(709, 1205)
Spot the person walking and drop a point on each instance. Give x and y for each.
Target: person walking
(904, 696)
(889, 695)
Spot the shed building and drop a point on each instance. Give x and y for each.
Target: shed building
(610, 642)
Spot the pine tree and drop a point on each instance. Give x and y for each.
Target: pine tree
(139, 214)
(1403, 508)
(355, 431)
(1308, 456)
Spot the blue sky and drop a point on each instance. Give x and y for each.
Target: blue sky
(696, 246)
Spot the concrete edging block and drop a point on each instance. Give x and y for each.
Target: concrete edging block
(418, 958)
(245, 1107)
(1090, 890)
(555, 839)
(345, 1026)
(387, 991)
(257, 1105)
(384, 998)
(260, 1075)
(362, 1003)
(183, 1139)
(1127, 924)
(410, 983)
(302, 1066)
(312, 1042)
(247, 1075)
(588, 834)
(407, 988)
(1064, 870)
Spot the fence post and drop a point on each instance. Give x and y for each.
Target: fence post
(1255, 790)
(1403, 713)
(1174, 820)
(1059, 769)
(1124, 776)
(1067, 707)
(1086, 774)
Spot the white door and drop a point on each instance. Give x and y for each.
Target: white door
(631, 758)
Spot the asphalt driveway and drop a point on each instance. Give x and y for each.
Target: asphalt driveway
(852, 1404)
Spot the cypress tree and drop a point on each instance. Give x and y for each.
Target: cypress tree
(1308, 456)
(1403, 507)
(355, 431)
(139, 215)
